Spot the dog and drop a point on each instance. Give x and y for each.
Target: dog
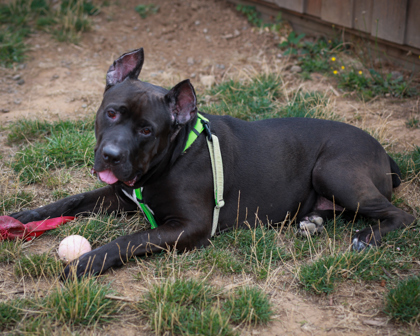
(272, 168)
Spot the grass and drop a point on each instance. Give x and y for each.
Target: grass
(190, 307)
(248, 305)
(10, 251)
(399, 249)
(409, 163)
(19, 18)
(76, 304)
(262, 98)
(403, 301)
(257, 256)
(19, 200)
(146, 10)
(38, 265)
(62, 144)
(331, 58)
(100, 229)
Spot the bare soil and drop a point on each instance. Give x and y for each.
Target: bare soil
(196, 39)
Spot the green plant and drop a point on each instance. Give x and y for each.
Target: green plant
(249, 305)
(292, 44)
(38, 265)
(403, 301)
(146, 10)
(251, 14)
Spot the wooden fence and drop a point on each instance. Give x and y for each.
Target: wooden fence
(395, 24)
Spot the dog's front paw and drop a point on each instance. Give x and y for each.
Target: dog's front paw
(310, 226)
(364, 239)
(89, 264)
(27, 216)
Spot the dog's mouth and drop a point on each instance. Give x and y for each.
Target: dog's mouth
(108, 177)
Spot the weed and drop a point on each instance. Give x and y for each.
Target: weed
(403, 301)
(251, 14)
(10, 251)
(38, 265)
(249, 305)
(146, 10)
(292, 44)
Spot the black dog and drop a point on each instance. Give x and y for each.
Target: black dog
(272, 168)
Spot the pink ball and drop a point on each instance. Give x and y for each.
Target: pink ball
(72, 247)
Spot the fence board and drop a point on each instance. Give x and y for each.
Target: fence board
(313, 7)
(338, 12)
(388, 20)
(294, 5)
(412, 34)
(363, 15)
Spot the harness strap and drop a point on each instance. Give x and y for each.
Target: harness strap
(218, 179)
(217, 169)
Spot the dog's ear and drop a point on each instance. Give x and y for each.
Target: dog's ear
(127, 65)
(182, 102)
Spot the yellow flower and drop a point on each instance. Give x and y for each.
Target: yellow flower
(335, 72)
(329, 41)
(333, 59)
(343, 67)
(360, 72)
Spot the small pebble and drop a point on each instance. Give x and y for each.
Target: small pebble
(5, 110)
(296, 68)
(21, 81)
(205, 30)
(18, 101)
(16, 77)
(84, 105)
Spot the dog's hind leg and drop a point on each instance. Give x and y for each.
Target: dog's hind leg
(364, 193)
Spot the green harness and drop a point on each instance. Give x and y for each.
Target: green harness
(217, 168)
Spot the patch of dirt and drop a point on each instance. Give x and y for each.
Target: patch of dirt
(193, 39)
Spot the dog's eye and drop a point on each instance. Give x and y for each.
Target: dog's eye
(146, 131)
(111, 114)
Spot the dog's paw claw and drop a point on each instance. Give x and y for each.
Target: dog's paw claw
(310, 226)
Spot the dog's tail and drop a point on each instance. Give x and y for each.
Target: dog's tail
(396, 173)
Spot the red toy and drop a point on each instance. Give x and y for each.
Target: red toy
(11, 228)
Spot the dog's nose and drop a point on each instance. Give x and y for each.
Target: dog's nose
(111, 154)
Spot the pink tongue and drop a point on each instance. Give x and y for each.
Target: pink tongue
(107, 176)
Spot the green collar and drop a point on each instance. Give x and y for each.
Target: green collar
(200, 126)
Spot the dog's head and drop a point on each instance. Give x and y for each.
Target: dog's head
(137, 121)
